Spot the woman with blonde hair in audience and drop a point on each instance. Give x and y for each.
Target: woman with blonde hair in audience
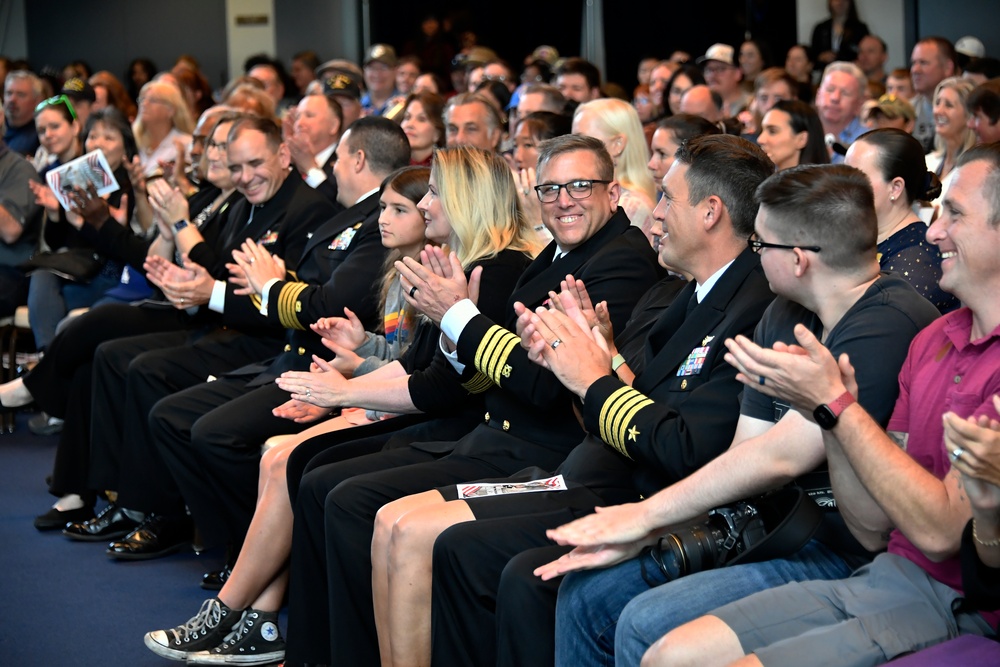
(249, 97)
(163, 121)
(952, 134)
(470, 203)
(616, 123)
(111, 93)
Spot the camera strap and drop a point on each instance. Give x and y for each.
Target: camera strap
(793, 519)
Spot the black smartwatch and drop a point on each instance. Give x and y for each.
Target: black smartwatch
(828, 415)
(180, 224)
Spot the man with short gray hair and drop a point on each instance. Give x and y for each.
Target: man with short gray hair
(472, 120)
(838, 102)
(21, 94)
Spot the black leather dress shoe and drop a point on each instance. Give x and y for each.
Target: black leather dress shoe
(110, 524)
(156, 536)
(54, 518)
(214, 581)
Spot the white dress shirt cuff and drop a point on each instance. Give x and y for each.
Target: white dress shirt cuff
(217, 301)
(453, 324)
(315, 176)
(264, 293)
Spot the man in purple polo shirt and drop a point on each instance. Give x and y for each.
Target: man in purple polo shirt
(910, 496)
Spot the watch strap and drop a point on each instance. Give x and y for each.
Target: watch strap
(841, 403)
(617, 362)
(827, 415)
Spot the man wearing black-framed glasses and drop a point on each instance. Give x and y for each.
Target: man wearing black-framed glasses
(757, 245)
(578, 197)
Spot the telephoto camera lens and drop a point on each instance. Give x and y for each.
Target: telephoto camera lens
(727, 533)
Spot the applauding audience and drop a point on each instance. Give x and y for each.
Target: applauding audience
(444, 443)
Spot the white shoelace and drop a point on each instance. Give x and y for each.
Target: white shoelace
(207, 618)
(242, 628)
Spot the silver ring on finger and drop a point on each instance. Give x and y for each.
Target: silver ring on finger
(556, 343)
(957, 453)
(309, 392)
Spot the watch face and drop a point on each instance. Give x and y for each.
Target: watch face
(825, 417)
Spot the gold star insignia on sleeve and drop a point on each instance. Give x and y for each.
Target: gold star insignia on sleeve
(633, 433)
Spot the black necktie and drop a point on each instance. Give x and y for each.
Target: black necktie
(692, 304)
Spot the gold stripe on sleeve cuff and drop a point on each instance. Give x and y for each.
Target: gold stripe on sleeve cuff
(617, 415)
(477, 384)
(289, 305)
(494, 349)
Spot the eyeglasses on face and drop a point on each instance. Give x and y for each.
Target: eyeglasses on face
(58, 99)
(757, 245)
(578, 189)
(718, 68)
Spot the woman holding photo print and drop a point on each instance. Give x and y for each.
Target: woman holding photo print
(52, 296)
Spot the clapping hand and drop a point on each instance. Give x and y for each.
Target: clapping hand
(974, 447)
(326, 388)
(185, 286)
(564, 342)
(437, 282)
(806, 374)
(254, 267)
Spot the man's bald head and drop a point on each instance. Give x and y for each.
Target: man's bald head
(702, 101)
